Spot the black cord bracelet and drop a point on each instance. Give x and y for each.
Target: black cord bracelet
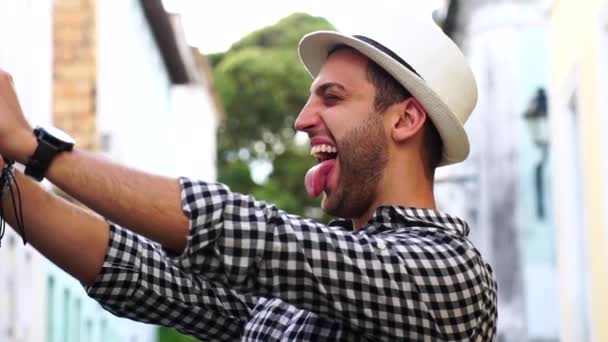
(8, 184)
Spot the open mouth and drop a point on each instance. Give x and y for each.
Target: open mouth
(323, 176)
(324, 152)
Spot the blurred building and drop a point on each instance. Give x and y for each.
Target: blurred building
(547, 60)
(120, 78)
(503, 189)
(578, 114)
(26, 51)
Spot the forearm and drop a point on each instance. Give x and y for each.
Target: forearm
(149, 205)
(127, 274)
(69, 236)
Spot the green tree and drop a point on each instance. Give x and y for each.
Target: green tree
(263, 86)
(171, 335)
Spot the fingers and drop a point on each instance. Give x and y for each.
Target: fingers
(5, 76)
(15, 131)
(6, 79)
(8, 94)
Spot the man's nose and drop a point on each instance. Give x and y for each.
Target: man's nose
(308, 118)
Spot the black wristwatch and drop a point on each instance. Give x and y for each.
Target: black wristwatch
(51, 142)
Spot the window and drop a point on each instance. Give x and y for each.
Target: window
(104, 330)
(77, 319)
(11, 284)
(88, 330)
(65, 317)
(50, 307)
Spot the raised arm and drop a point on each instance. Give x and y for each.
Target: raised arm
(60, 230)
(130, 276)
(147, 204)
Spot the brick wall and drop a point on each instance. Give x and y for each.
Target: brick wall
(75, 70)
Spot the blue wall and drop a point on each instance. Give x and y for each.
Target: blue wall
(74, 317)
(541, 278)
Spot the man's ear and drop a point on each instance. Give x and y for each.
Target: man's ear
(408, 120)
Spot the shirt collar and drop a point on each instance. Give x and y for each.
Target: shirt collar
(404, 217)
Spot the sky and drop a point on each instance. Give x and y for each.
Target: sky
(214, 26)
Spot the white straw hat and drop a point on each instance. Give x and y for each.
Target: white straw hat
(425, 61)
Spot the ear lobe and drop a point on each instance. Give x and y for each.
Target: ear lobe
(409, 121)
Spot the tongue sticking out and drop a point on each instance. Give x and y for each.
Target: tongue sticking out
(316, 177)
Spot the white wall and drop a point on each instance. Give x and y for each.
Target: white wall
(493, 44)
(25, 52)
(151, 123)
(133, 85)
(193, 142)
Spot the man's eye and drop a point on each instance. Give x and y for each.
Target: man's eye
(331, 98)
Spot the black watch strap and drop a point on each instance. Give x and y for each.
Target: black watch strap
(51, 142)
(40, 160)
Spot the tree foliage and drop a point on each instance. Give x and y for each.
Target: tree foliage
(263, 87)
(171, 335)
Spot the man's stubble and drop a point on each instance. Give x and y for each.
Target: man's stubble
(363, 154)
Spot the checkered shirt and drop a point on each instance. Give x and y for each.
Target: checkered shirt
(251, 272)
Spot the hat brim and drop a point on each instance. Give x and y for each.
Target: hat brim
(314, 49)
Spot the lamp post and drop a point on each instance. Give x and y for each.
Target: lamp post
(537, 119)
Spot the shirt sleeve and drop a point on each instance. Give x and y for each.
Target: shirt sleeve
(139, 281)
(354, 277)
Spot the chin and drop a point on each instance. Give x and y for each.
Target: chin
(333, 206)
(338, 206)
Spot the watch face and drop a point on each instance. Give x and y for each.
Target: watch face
(59, 134)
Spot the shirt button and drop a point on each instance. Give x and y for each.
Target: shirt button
(380, 244)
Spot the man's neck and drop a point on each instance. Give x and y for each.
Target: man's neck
(398, 188)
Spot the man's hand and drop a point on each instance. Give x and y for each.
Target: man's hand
(149, 205)
(16, 138)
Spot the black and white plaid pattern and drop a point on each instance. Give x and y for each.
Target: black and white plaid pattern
(251, 272)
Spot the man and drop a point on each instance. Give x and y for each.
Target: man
(222, 266)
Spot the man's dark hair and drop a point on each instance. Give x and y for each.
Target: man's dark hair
(388, 92)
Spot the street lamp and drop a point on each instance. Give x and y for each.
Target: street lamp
(537, 119)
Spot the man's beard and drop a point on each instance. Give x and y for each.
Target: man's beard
(363, 154)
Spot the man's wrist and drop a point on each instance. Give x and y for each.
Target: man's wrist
(28, 147)
(51, 142)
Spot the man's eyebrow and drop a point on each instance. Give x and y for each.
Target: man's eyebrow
(325, 86)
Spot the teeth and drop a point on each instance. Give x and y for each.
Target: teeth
(323, 149)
